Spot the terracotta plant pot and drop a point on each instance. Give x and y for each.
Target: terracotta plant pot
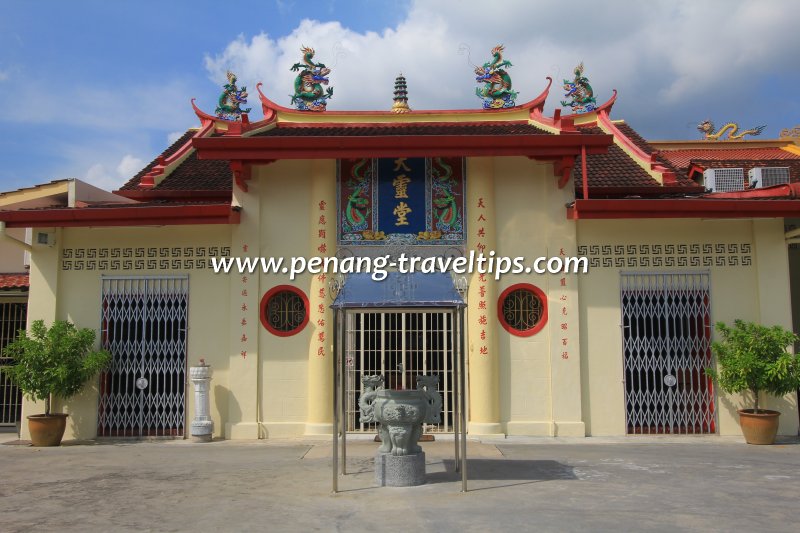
(759, 428)
(47, 430)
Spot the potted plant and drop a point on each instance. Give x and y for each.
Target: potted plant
(53, 362)
(752, 357)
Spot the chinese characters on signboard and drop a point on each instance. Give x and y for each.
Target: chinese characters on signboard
(401, 201)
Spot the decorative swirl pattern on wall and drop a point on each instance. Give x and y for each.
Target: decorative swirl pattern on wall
(150, 258)
(667, 255)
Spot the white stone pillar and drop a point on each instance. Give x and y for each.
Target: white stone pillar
(202, 425)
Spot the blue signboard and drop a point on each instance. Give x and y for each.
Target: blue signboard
(401, 195)
(401, 201)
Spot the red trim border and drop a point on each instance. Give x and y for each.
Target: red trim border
(263, 304)
(539, 293)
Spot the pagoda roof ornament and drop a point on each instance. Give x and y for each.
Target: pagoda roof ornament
(308, 92)
(400, 104)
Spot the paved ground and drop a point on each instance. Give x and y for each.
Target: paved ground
(702, 484)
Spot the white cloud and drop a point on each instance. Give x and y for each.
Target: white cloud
(3, 75)
(174, 136)
(129, 166)
(670, 60)
(109, 176)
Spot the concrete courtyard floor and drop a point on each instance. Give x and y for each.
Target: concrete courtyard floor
(516, 484)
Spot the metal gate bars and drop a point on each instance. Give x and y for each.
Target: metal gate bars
(666, 329)
(13, 316)
(144, 322)
(399, 345)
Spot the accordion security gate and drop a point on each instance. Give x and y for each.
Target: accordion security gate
(144, 326)
(13, 316)
(666, 329)
(399, 345)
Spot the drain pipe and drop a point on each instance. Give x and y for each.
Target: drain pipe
(13, 240)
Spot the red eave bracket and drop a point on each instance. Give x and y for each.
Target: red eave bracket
(242, 173)
(562, 168)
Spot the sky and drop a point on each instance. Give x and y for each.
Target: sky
(94, 90)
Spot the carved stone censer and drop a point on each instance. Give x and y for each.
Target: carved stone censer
(400, 461)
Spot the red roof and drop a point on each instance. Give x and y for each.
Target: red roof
(133, 183)
(412, 128)
(10, 282)
(154, 213)
(683, 158)
(618, 170)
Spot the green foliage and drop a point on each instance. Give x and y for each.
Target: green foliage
(754, 358)
(55, 361)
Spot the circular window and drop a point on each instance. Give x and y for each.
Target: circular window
(522, 309)
(284, 310)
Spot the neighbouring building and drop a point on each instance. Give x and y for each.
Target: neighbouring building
(618, 350)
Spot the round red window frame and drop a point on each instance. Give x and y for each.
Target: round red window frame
(263, 306)
(508, 327)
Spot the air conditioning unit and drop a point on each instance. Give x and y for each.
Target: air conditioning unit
(724, 179)
(768, 176)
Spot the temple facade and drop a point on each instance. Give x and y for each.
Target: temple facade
(618, 350)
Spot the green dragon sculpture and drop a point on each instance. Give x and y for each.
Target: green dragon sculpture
(496, 92)
(580, 92)
(445, 213)
(308, 93)
(357, 210)
(231, 100)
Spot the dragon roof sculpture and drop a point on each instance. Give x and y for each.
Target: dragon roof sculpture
(231, 100)
(579, 92)
(496, 92)
(308, 92)
(731, 128)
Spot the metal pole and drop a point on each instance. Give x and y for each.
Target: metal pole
(342, 376)
(456, 386)
(335, 403)
(462, 401)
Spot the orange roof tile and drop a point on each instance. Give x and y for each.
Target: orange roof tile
(14, 281)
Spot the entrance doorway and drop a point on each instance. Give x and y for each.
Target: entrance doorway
(666, 333)
(13, 316)
(144, 323)
(399, 345)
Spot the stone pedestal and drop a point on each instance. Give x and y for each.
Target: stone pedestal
(399, 470)
(202, 425)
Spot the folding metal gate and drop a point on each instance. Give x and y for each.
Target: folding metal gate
(666, 329)
(144, 323)
(399, 346)
(13, 316)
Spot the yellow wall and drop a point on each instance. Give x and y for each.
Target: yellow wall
(78, 295)
(540, 390)
(285, 204)
(757, 292)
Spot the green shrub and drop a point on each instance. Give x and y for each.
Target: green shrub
(754, 358)
(55, 361)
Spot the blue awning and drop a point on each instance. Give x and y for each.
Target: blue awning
(399, 290)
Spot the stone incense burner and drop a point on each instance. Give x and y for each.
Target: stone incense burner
(400, 414)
